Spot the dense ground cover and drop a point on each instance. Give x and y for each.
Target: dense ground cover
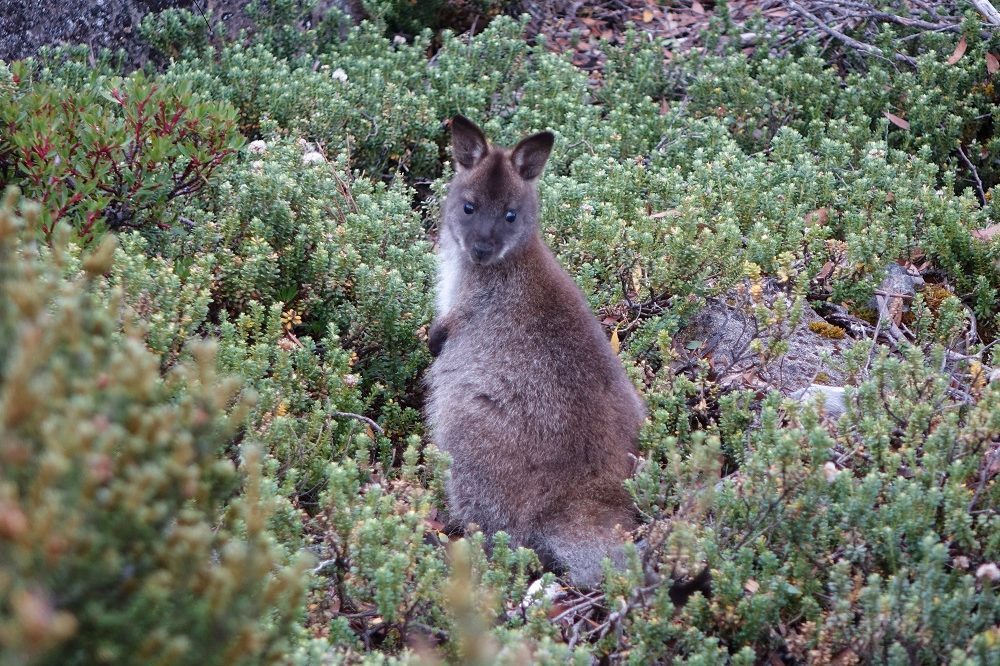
(215, 293)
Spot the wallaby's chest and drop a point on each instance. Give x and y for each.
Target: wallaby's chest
(449, 279)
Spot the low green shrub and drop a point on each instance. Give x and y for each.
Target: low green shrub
(409, 16)
(945, 107)
(308, 256)
(316, 284)
(125, 532)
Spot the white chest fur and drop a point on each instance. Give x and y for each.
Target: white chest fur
(448, 278)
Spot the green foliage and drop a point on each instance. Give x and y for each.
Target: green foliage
(322, 103)
(307, 255)
(884, 519)
(316, 283)
(119, 535)
(946, 106)
(176, 33)
(411, 16)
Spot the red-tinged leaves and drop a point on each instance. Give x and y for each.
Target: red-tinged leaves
(987, 234)
(134, 147)
(992, 63)
(558, 609)
(959, 51)
(844, 657)
(896, 120)
(826, 271)
(818, 217)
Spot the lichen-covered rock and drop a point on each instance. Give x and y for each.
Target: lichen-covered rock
(726, 330)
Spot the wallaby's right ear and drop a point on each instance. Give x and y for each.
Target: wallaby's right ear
(468, 143)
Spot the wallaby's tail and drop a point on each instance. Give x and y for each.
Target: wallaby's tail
(580, 545)
(581, 548)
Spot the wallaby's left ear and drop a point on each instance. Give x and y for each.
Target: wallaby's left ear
(530, 155)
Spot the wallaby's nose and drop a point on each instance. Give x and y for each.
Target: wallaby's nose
(481, 250)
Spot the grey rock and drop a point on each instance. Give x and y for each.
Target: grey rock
(901, 282)
(727, 334)
(832, 398)
(28, 25)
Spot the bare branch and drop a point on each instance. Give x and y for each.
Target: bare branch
(980, 193)
(323, 566)
(917, 23)
(849, 41)
(988, 10)
(359, 417)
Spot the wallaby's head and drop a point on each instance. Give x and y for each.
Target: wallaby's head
(492, 205)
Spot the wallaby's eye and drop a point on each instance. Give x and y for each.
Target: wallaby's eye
(469, 208)
(510, 216)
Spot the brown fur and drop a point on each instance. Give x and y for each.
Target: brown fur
(525, 394)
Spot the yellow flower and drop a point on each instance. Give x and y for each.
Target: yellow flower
(290, 319)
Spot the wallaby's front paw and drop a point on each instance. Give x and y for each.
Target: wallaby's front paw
(436, 337)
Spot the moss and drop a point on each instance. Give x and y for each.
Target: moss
(827, 330)
(869, 315)
(935, 294)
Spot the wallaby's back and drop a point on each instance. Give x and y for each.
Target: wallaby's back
(526, 395)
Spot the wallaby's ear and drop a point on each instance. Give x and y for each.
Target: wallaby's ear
(529, 156)
(468, 143)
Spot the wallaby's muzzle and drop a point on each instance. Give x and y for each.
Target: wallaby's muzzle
(482, 252)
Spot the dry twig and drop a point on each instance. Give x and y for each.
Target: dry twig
(360, 417)
(849, 41)
(988, 10)
(980, 193)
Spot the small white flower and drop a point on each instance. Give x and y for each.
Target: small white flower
(258, 147)
(313, 157)
(830, 471)
(399, 40)
(988, 570)
(351, 380)
(339, 74)
(587, 208)
(257, 165)
(960, 562)
(537, 595)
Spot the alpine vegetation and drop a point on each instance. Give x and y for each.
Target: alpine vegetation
(715, 318)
